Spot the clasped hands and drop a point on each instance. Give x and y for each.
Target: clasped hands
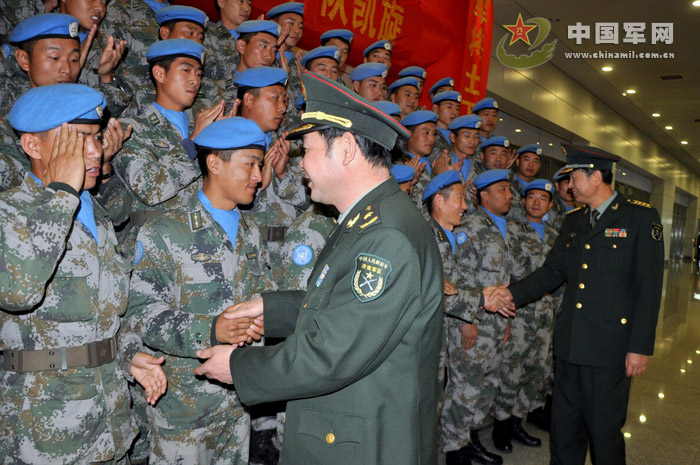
(499, 299)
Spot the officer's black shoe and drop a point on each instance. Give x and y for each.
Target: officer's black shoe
(458, 457)
(539, 418)
(518, 433)
(478, 453)
(501, 436)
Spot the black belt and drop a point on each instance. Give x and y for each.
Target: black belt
(89, 355)
(273, 233)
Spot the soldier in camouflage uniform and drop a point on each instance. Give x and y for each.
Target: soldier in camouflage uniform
(493, 155)
(522, 373)
(421, 123)
(475, 338)
(441, 85)
(342, 39)
(563, 202)
(464, 137)
(63, 290)
(404, 93)
(16, 11)
(220, 39)
(446, 105)
(528, 162)
(487, 110)
(369, 81)
(192, 263)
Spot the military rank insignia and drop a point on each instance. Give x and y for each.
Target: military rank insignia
(657, 231)
(369, 278)
(615, 232)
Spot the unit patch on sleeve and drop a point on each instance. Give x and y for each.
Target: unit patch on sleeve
(657, 231)
(302, 255)
(369, 278)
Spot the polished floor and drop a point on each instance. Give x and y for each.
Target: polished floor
(663, 419)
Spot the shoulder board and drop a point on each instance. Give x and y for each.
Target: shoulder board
(243, 223)
(641, 204)
(367, 217)
(196, 220)
(223, 32)
(574, 210)
(525, 227)
(153, 118)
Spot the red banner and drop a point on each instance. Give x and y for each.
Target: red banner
(447, 38)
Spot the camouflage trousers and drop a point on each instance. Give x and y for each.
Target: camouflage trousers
(218, 443)
(472, 378)
(527, 363)
(139, 451)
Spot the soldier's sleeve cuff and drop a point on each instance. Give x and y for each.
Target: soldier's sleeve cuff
(188, 145)
(60, 186)
(212, 334)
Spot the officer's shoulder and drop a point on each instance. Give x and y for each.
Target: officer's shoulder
(366, 219)
(640, 204)
(576, 210)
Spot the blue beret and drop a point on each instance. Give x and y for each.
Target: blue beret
(383, 44)
(415, 71)
(540, 184)
(465, 122)
(368, 70)
(288, 7)
(441, 181)
(259, 25)
(447, 95)
(177, 13)
(489, 177)
(173, 48)
(446, 81)
(262, 76)
(483, 104)
(390, 108)
(47, 107)
(402, 173)
(230, 134)
(45, 26)
(498, 141)
(328, 51)
(533, 148)
(344, 34)
(419, 117)
(300, 102)
(407, 81)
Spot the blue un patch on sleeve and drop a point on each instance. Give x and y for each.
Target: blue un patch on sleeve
(461, 237)
(302, 255)
(139, 252)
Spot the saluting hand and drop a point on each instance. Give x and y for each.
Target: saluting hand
(67, 164)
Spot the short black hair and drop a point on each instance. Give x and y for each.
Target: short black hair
(376, 154)
(607, 175)
(325, 41)
(165, 64)
(241, 91)
(444, 193)
(28, 46)
(203, 153)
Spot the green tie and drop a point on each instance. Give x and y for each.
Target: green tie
(595, 214)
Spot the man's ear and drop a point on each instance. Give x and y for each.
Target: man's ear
(30, 145)
(453, 139)
(349, 148)
(240, 46)
(213, 164)
(22, 58)
(164, 32)
(159, 74)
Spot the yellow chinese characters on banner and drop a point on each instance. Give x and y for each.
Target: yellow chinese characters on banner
(366, 15)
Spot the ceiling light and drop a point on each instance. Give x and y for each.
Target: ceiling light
(631, 91)
(624, 174)
(668, 127)
(696, 3)
(697, 352)
(624, 94)
(684, 142)
(642, 419)
(682, 370)
(500, 119)
(518, 130)
(552, 145)
(606, 68)
(627, 435)
(690, 362)
(656, 115)
(661, 395)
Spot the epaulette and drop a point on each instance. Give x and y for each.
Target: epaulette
(153, 118)
(243, 223)
(196, 220)
(574, 210)
(641, 204)
(223, 32)
(524, 227)
(365, 218)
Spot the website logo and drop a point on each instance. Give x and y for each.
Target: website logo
(537, 53)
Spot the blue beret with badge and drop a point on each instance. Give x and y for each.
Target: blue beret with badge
(489, 177)
(231, 134)
(484, 104)
(325, 51)
(441, 181)
(173, 48)
(415, 71)
(342, 34)
(380, 44)
(262, 76)
(532, 148)
(47, 107)
(582, 157)
(260, 25)
(446, 81)
(407, 81)
(419, 117)
(300, 102)
(329, 104)
(288, 7)
(368, 70)
(390, 108)
(539, 184)
(402, 173)
(45, 26)
(465, 122)
(447, 96)
(497, 141)
(177, 13)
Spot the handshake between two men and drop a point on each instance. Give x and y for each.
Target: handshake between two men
(499, 299)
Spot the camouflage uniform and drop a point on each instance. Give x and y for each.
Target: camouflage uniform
(482, 260)
(223, 57)
(13, 162)
(517, 209)
(60, 289)
(292, 118)
(186, 274)
(441, 144)
(155, 167)
(557, 214)
(522, 373)
(16, 11)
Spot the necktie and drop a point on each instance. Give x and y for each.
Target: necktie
(595, 214)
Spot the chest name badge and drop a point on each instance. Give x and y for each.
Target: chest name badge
(369, 278)
(324, 271)
(201, 257)
(615, 232)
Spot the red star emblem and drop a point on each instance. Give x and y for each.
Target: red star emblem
(519, 31)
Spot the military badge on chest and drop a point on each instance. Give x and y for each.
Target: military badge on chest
(369, 278)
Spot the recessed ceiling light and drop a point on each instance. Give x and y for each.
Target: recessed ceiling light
(697, 352)
(668, 127)
(631, 91)
(606, 68)
(696, 3)
(552, 145)
(627, 435)
(624, 94)
(682, 370)
(690, 362)
(518, 130)
(500, 119)
(684, 142)
(661, 395)
(656, 115)
(624, 174)
(642, 419)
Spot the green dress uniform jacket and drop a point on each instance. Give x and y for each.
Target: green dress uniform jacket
(358, 366)
(614, 275)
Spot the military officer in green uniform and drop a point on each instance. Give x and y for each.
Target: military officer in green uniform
(361, 352)
(610, 252)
